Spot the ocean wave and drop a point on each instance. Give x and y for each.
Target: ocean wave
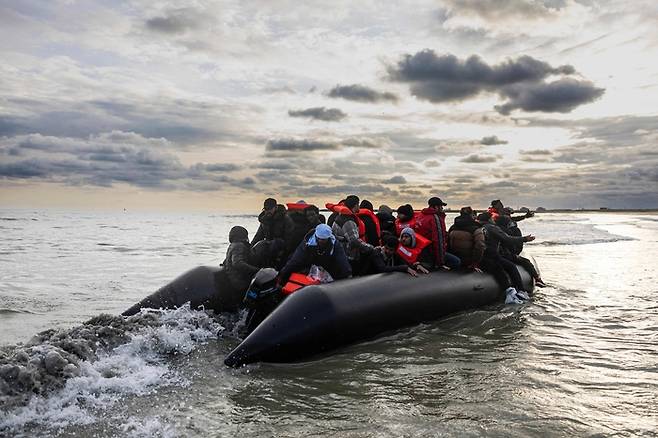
(9, 310)
(585, 241)
(64, 377)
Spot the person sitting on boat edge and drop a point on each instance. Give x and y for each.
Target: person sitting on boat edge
(236, 265)
(385, 259)
(406, 218)
(350, 231)
(305, 218)
(275, 224)
(371, 223)
(466, 239)
(493, 262)
(321, 248)
(431, 223)
(386, 219)
(415, 250)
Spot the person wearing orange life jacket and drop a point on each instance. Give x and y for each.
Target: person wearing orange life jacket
(305, 217)
(385, 259)
(349, 230)
(415, 250)
(406, 218)
(431, 223)
(371, 223)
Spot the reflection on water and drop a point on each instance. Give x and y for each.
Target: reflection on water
(581, 359)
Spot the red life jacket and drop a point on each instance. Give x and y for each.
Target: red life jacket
(296, 282)
(410, 255)
(411, 223)
(297, 207)
(365, 212)
(494, 214)
(341, 209)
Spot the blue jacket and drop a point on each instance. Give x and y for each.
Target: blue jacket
(334, 262)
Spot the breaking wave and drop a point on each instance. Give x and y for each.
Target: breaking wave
(66, 377)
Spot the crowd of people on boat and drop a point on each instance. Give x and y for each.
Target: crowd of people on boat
(355, 240)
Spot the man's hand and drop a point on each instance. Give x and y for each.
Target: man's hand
(412, 272)
(528, 238)
(420, 268)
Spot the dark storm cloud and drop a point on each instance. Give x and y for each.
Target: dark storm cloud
(446, 78)
(361, 93)
(319, 113)
(175, 21)
(291, 144)
(492, 140)
(476, 158)
(561, 96)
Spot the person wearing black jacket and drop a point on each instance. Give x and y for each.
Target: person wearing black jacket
(319, 248)
(237, 263)
(492, 260)
(275, 224)
(385, 259)
(371, 228)
(386, 219)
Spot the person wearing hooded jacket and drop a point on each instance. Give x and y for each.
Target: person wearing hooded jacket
(466, 239)
(237, 263)
(321, 248)
(431, 223)
(415, 250)
(275, 224)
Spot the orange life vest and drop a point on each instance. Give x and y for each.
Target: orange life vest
(365, 212)
(297, 207)
(341, 209)
(410, 255)
(411, 223)
(494, 214)
(296, 282)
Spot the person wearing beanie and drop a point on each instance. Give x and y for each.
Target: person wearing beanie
(237, 265)
(431, 223)
(321, 248)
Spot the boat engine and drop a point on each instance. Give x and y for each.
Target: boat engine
(261, 298)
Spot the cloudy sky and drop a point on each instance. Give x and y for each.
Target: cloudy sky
(214, 105)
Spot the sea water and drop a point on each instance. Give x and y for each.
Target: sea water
(580, 359)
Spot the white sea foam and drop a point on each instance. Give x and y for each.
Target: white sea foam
(136, 367)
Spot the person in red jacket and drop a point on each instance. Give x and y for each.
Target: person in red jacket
(431, 223)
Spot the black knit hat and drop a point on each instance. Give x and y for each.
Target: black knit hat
(406, 210)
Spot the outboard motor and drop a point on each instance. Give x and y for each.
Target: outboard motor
(262, 297)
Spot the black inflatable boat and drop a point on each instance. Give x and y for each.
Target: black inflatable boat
(319, 318)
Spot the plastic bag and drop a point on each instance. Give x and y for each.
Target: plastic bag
(318, 273)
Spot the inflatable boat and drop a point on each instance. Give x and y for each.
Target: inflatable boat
(319, 318)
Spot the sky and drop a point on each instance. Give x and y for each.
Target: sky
(215, 105)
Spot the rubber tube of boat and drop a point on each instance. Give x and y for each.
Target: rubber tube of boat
(205, 286)
(319, 318)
